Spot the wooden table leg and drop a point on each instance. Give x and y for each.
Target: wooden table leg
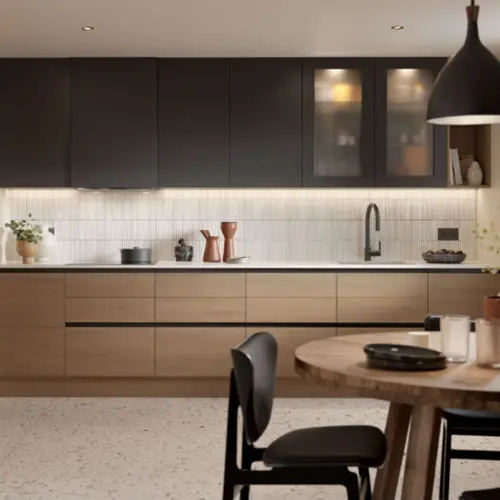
(396, 431)
(421, 455)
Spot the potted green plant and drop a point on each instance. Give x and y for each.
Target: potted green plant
(28, 235)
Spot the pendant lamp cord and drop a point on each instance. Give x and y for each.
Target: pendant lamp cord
(472, 3)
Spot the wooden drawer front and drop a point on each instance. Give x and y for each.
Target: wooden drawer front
(292, 285)
(113, 285)
(32, 299)
(461, 293)
(32, 284)
(389, 310)
(289, 339)
(109, 310)
(195, 352)
(110, 352)
(31, 352)
(209, 310)
(292, 310)
(200, 285)
(341, 332)
(408, 285)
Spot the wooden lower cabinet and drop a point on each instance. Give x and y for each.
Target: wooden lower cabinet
(109, 310)
(109, 352)
(288, 340)
(31, 351)
(341, 332)
(32, 300)
(291, 310)
(382, 310)
(200, 310)
(195, 352)
(461, 293)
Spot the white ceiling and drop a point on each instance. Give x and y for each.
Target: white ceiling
(41, 28)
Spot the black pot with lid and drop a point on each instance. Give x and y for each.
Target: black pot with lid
(136, 255)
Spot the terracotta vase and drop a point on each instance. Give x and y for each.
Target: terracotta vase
(491, 307)
(26, 250)
(212, 252)
(228, 229)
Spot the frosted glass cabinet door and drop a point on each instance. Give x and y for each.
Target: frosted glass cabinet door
(338, 122)
(410, 151)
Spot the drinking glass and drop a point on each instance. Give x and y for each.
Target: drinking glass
(488, 343)
(455, 331)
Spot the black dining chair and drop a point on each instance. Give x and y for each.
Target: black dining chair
(492, 494)
(463, 423)
(316, 455)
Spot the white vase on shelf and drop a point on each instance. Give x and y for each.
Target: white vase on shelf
(48, 249)
(475, 174)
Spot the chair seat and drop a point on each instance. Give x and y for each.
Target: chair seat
(472, 418)
(359, 445)
(493, 494)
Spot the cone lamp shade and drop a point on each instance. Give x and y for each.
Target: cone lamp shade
(467, 91)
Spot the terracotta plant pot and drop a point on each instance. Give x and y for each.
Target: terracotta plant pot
(491, 307)
(26, 250)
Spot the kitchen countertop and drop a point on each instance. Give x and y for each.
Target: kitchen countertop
(252, 266)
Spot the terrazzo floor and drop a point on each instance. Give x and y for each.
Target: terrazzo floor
(152, 449)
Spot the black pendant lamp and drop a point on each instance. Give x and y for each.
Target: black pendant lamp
(467, 91)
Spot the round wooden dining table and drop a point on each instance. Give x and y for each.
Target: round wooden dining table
(416, 400)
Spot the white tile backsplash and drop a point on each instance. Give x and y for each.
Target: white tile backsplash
(273, 224)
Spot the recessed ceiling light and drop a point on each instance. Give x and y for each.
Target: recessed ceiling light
(87, 28)
(397, 27)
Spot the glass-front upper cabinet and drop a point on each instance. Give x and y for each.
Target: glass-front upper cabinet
(409, 151)
(338, 122)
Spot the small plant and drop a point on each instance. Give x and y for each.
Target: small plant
(25, 230)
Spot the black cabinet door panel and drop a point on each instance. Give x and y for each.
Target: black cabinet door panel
(114, 123)
(265, 122)
(34, 122)
(193, 122)
(409, 151)
(338, 122)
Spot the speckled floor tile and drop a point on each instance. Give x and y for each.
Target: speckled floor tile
(17, 416)
(152, 449)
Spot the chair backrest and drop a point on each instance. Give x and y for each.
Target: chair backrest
(254, 368)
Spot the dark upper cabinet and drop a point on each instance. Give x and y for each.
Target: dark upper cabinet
(409, 151)
(34, 122)
(114, 123)
(265, 143)
(193, 122)
(338, 121)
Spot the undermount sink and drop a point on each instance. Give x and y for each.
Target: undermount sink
(375, 263)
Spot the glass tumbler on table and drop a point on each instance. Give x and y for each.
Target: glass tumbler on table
(455, 332)
(488, 343)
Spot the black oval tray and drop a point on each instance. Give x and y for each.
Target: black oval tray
(403, 357)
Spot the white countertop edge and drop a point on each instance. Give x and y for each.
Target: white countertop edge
(251, 265)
